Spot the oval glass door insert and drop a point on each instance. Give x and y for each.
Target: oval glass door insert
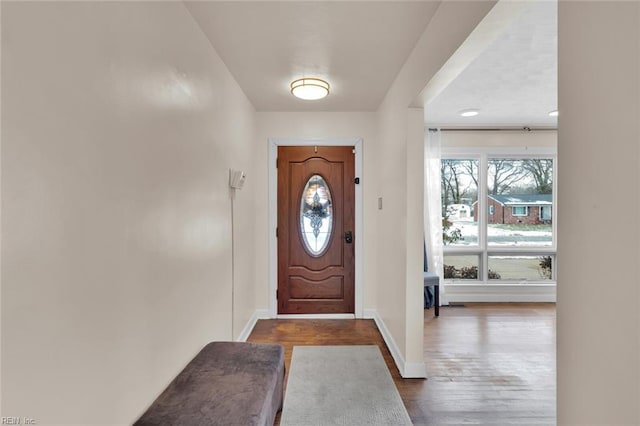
(316, 215)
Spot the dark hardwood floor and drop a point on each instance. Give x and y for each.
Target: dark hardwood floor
(489, 364)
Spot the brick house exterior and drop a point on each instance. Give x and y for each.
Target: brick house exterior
(531, 209)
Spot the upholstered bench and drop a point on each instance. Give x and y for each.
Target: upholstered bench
(227, 383)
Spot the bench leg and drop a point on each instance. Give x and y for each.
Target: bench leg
(437, 300)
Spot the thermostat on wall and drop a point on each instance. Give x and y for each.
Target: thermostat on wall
(236, 179)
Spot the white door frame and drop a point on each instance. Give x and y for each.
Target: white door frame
(274, 143)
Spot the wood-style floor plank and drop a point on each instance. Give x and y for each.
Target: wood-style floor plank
(490, 364)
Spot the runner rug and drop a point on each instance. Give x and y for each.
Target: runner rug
(341, 385)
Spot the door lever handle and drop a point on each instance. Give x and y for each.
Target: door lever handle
(348, 237)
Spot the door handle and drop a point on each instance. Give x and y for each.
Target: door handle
(348, 237)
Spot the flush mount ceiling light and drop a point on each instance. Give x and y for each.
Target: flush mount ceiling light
(469, 112)
(309, 89)
(553, 113)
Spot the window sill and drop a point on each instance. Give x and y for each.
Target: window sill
(499, 283)
(498, 292)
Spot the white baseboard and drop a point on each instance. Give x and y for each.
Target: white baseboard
(248, 328)
(316, 316)
(408, 370)
(414, 370)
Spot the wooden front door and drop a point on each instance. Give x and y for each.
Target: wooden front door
(316, 208)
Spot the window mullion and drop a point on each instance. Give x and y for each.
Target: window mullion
(554, 209)
(483, 217)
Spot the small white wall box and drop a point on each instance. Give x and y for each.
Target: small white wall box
(236, 179)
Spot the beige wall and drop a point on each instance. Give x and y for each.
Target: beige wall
(119, 125)
(501, 138)
(598, 251)
(317, 125)
(401, 140)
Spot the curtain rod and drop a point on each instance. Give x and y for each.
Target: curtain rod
(484, 129)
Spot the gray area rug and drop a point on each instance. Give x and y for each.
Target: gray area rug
(341, 385)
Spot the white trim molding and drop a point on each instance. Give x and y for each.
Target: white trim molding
(316, 316)
(274, 143)
(408, 370)
(457, 293)
(248, 328)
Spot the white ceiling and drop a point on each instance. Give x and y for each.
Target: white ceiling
(359, 47)
(513, 82)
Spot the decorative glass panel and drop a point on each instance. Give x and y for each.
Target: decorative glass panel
(316, 215)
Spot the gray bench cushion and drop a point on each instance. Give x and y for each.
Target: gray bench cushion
(431, 279)
(227, 383)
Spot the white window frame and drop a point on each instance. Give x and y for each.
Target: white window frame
(483, 250)
(526, 211)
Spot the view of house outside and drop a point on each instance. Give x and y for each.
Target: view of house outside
(518, 214)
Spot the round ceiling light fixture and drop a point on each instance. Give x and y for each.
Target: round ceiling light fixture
(309, 89)
(553, 113)
(469, 112)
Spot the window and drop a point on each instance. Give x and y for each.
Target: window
(520, 211)
(523, 186)
(461, 267)
(520, 268)
(508, 237)
(316, 215)
(459, 179)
